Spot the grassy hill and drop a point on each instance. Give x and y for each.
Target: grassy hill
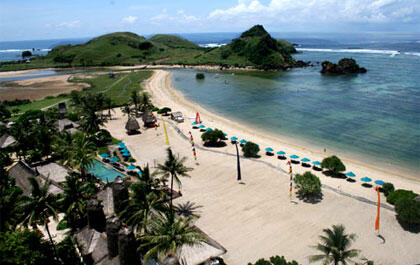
(255, 47)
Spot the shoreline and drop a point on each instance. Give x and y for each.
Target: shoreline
(284, 140)
(177, 99)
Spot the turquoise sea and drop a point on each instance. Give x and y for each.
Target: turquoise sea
(373, 116)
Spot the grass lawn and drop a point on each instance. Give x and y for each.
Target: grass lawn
(117, 88)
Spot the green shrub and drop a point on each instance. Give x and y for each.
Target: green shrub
(73, 116)
(274, 261)
(408, 211)
(62, 225)
(213, 138)
(103, 149)
(308, 185)
(49, 97)
(388, 188)
(164, 110)
(334, 164)
(250, 149)
(131, 160)
(199, 76)
(397, 195)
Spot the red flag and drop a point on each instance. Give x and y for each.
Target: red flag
(288, 163)
(379, 207)
(197, 118)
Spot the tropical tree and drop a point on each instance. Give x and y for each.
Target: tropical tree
(308, 185)
(145, 101)
(126, 110)
(10, 197)
(334, 164)
(109, 106)
(335, 246)
(168, 235)
(4, 112)
(135, 99)
(173, 167)
(83, 153)
(250, 149)
(213, 138)
(39, 206)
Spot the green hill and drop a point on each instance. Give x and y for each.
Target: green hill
(255, 47)
(121, 48)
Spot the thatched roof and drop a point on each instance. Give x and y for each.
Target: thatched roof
(132, 124)
(6, 140)
(53, 171)
(21, 172)
(66, 124)
(107, 200)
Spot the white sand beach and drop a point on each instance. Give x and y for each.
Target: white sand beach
(257, 219)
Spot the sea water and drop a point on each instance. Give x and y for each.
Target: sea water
(373, 116)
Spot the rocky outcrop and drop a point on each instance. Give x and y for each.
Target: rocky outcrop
(344, 66)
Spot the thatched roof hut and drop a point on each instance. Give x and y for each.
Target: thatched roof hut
(149, 119)
(132, 126)
(6, 141)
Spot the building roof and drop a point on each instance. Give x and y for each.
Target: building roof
(6, 140)
(21, 172)
(132, 124)
(53, 171)
(106, 197)
(66, 124)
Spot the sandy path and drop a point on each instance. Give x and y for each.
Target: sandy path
(257, 219)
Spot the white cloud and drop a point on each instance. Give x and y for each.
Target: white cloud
(69, 25)
(377, 11)
(180, 17)
(130, 19)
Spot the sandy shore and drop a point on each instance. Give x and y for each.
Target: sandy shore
(38, 88)
(257, 219)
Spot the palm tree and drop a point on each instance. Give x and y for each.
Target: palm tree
(39, 206)
(168, 235)
(83, 153)
(62, 145)
(145, 101)
(135, 99)
(335, 246)
(143, 200)
(74, 200)
(127, 110)
(173, 167)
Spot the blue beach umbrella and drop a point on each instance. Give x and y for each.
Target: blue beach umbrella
(366, 179)
(121, 143)
(126, 154)
(104, 155)
(131, 167)
(234, 138)
(114, 159)
(243, 141)
(122, 147)
(124, 150)
(139, 172)
(201, 126)
(269, 149)
(282, 153)
(350, 174)
(305, 160)
(379, 182)
(194, 123)
(209, 129)
(294, 157)
(316, 163)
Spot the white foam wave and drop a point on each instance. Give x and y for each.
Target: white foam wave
(390, 52)
(212, 45)
(22, 50)
(413, 53)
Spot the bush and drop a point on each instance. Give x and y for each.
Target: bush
(408, 211)
(274, 261)
(213, 138)
(26, 54)
(388, 188)
(308, 185)
(164, 110)
(131, 160)
(250, 149)
(199, 76)
(397, 195)
(334, 164)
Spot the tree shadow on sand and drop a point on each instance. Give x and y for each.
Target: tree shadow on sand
(329, 173)
(413, 228)
(314, 199)
(217, 145)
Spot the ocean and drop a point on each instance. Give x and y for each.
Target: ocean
(373, 116)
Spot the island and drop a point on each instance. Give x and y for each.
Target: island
(344, 66)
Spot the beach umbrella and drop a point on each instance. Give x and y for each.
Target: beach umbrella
(131, 167)
(122, 147)
(114, 159)
(379, 182)
(243, 141)
(282, 153)
(201, 126)
(124, 150)
(209, 129)
(366, 179)
(139, 172)
(126, 154)
(234, 138)
(316, 163)
(350, 174)
(305, 160)
(104, 155)
(121, 143)
(194, 123)
(269, 149)
(294, 157)
(225, 134)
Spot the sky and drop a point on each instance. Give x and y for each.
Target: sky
(56, 19)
